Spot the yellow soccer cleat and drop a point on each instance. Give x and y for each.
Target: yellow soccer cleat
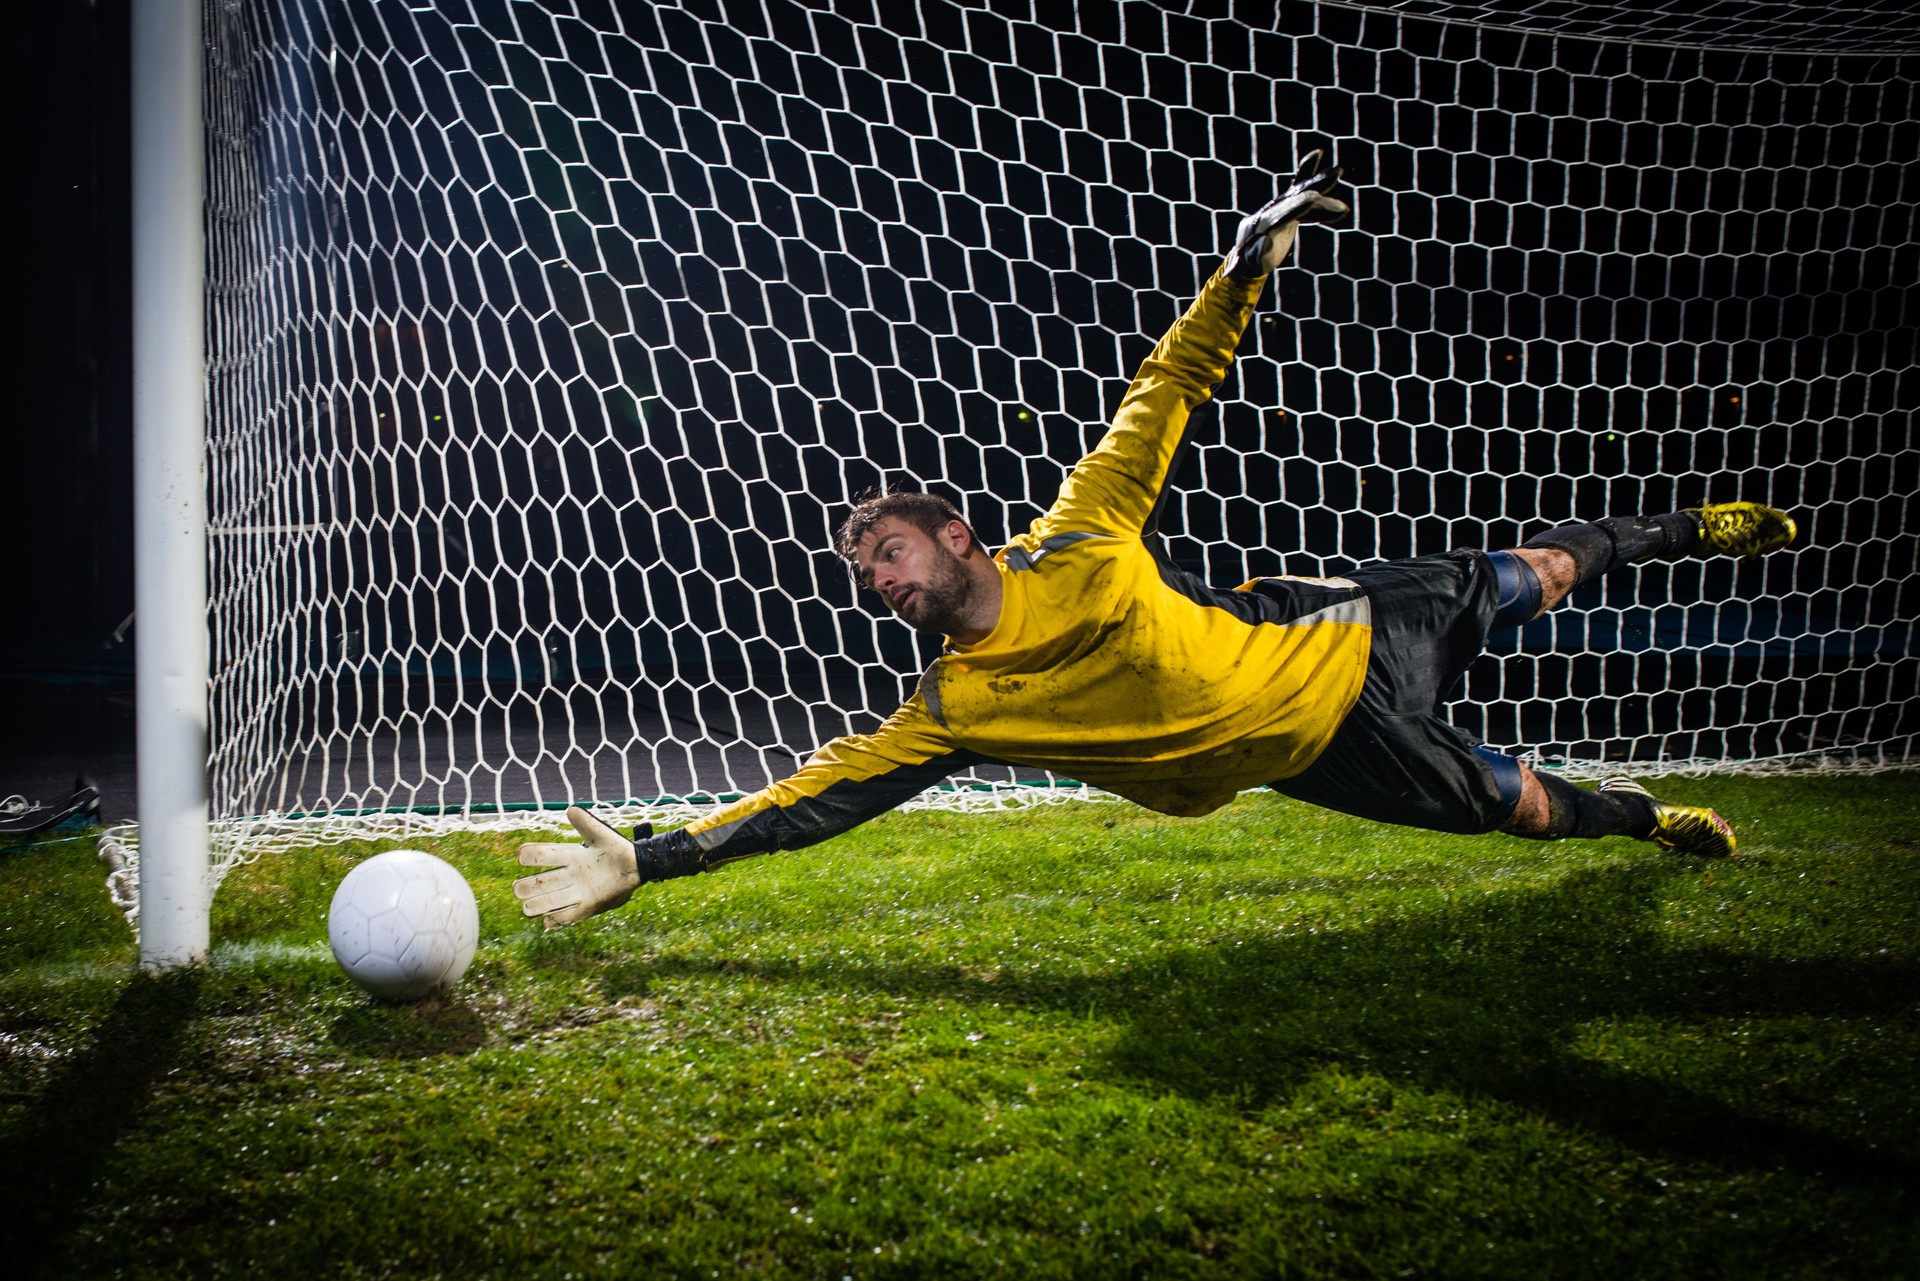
(1743, 529)
(1685, 829)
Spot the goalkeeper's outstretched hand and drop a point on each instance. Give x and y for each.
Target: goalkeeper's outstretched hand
(600, 874)
(1265, 237)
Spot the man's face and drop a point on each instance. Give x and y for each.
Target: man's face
(920, 577)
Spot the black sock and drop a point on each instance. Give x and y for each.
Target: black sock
(1574, 811)
(1600, 546)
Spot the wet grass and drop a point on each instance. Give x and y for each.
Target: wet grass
(1074, 1042)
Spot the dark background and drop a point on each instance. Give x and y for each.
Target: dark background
(66, 662)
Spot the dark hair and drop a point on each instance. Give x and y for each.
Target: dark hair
(928, 512)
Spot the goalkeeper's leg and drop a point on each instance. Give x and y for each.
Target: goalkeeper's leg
(1538, 574)
(1550, 808)
(1395, 760)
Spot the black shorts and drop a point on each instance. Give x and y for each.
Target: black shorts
(1393, 759)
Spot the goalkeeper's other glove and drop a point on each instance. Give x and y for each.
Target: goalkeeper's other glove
(1264, 237)
(602, 873)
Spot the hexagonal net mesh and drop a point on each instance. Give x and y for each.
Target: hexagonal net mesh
(549, 340)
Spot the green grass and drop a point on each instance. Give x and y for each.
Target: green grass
(1081, 1041)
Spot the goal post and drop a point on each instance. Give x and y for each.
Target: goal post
(548, 341)
(170, 506)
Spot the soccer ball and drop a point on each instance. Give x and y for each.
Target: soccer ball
(404, 925)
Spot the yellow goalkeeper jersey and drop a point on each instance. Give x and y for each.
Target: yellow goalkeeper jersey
(1108, 664)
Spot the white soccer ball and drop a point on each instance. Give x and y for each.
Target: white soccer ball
(404, 925)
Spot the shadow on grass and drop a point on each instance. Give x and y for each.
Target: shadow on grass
(437, 1026)
(1484, 999)
(52, 1155)
(1488, 1001)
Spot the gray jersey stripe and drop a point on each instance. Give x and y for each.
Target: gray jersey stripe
(930, 691)
(1019, 558)
(1356, 610)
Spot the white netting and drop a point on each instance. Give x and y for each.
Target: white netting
(550, 340)
(1865, 27)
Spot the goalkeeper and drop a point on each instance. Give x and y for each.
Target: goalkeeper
(1080, 649)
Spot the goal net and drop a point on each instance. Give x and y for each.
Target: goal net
(548, 341)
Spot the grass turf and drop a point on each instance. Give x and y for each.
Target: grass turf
(1080, 1041)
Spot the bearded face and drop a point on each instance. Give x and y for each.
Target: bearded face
(937, 604)
(921, 578)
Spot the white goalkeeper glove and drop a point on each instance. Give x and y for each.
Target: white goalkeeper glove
(602, 873)
(1265, 237)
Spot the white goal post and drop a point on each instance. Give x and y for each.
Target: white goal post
(172, 890)
(548, 341)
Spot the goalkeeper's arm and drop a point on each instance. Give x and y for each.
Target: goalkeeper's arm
(842, 785)
(1117, 486)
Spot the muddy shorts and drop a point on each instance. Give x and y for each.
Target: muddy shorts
(1394, 759)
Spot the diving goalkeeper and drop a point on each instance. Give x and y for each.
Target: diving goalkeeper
(1080, 649)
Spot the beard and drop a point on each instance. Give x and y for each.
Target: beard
(938, 606)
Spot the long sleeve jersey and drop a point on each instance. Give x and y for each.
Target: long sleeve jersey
(1108, 664)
